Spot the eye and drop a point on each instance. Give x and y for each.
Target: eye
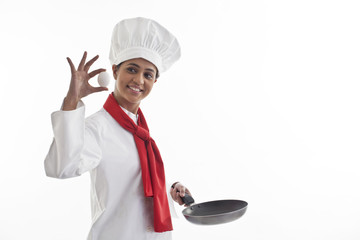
(148, 76)
(131, 70)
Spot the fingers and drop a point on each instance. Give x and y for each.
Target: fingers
(82, 62)
(176, 196)
(96, 72)
(182, 191)
(173, 194)
(85, 67)
(178, 199)
(99, 89)
(89, 63)
(179, 191)
(72, 67)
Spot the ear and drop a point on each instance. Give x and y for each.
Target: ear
(155, 81)
(114, 69)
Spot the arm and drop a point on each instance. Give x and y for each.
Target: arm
(74, 149)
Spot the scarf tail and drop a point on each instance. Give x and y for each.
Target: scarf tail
(162, 222)
(152, 167)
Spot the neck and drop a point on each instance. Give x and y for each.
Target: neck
(131, 107)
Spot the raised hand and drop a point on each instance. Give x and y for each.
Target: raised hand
(79, 84)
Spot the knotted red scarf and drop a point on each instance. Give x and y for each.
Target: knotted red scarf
(152, 167)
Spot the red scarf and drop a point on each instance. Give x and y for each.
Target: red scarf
(152, 167)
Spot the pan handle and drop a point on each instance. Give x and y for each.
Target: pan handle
(188, 200)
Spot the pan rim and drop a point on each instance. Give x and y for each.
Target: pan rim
(216, 215)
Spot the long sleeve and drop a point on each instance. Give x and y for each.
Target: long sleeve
(75, 147)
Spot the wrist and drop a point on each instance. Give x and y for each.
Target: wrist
(70, 103)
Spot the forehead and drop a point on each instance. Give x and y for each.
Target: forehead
(141, 62)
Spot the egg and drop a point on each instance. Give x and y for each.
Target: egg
(103, 79)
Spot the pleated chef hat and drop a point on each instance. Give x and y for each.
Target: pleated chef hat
(143, 38)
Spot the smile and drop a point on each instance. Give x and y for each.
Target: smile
(135, 89)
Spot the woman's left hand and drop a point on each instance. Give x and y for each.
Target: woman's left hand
(178, 190)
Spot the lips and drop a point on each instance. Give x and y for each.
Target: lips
(135, 89)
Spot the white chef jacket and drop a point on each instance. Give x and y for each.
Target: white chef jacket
(99, 144)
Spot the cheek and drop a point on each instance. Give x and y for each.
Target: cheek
(116, 83)
(149, 88)
(119, 86)
(121, 82)
(151, 85)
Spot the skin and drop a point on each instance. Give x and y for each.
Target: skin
(136, 73)
(79, 83)
(178, 190)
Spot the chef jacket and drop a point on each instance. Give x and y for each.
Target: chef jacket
(99, 144)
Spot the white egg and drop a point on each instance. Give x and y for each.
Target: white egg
(103, 79)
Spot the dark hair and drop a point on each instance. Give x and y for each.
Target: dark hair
(156, 75)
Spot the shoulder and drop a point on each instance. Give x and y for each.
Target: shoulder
(96, 118)
(99, 120)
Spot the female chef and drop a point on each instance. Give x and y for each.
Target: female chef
(128, 193)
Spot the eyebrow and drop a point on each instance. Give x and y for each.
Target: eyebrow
(134, 64)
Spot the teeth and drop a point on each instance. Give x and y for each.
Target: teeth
(135, 89)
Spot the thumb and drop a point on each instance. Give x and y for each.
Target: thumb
(182, 191)
(100, 89)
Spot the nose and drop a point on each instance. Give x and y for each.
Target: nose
(139, 79)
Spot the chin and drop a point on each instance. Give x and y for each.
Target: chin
(134, 101)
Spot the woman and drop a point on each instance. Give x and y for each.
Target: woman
(128, 193)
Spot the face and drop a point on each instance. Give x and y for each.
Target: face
(134, 81)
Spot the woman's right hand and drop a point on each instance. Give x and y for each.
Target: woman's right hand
(79, 84)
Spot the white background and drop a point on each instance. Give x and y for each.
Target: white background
(263, 106)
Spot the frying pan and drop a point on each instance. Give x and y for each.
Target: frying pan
(214, 212)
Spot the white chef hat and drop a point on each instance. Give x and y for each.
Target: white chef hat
(143, 38)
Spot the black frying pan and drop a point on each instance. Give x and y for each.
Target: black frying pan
(214, 212)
